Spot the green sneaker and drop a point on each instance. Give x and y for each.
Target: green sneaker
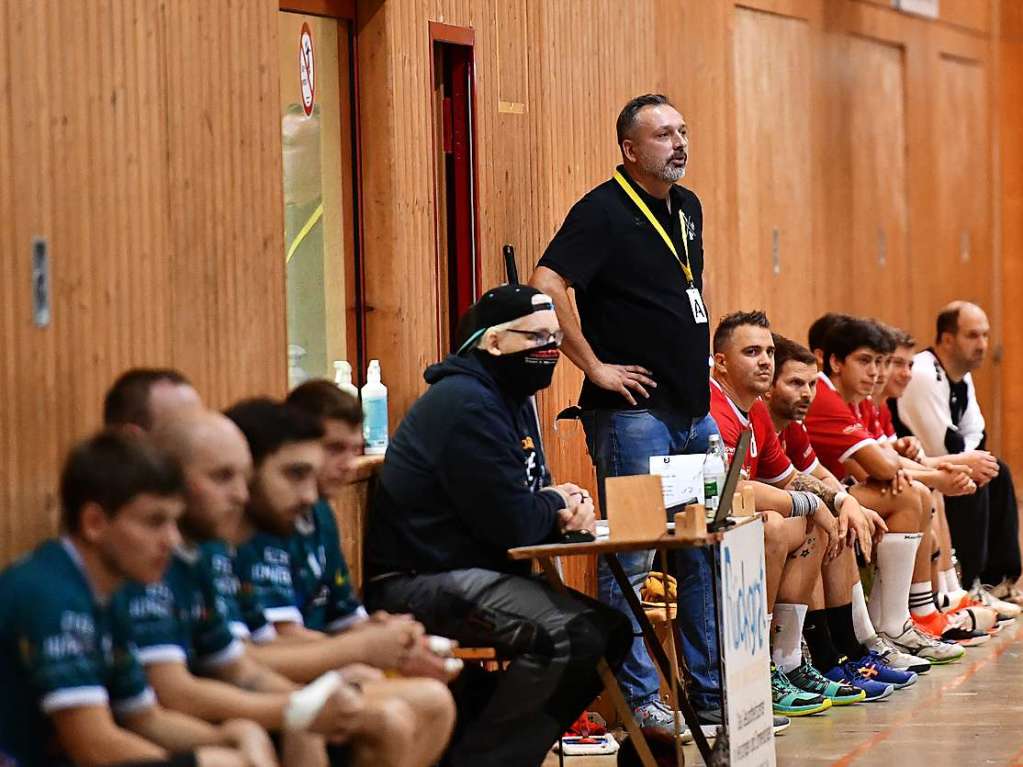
(809, 679)
(789, 700)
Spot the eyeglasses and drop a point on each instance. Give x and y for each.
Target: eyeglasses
(540, 337)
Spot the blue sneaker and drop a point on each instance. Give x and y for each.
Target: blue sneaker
(849, 673)
(872, 666)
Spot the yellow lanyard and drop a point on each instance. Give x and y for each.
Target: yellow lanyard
(634, 196)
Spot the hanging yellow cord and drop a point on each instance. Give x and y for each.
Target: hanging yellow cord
(304, 231)
(624, 184)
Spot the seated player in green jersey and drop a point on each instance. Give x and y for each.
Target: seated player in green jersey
(403, 722)
(184, 630)
(322, 585)
(287, 455)
(73, 688)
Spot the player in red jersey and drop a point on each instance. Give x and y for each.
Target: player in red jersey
(794, 547)
(853, 350)
(838, 623)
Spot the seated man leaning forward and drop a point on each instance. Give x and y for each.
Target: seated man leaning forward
(463, 481)
(73, 688)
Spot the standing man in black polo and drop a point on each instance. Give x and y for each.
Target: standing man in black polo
(632, 250)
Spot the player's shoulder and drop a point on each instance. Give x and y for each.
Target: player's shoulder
(46, 575)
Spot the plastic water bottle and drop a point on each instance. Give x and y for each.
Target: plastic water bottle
(713, 475)
(374, 411)
(343, 378)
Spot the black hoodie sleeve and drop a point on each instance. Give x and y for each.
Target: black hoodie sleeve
(483, 472)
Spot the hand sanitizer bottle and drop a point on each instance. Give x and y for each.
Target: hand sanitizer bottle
(343, 378)
(374, 411)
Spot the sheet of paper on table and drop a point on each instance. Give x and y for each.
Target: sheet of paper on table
(681, 477)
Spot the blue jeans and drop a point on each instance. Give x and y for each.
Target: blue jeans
(620, 444)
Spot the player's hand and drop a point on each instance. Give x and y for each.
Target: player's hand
(423, 662)
(901, 481)
(252, 742)
(388, 645)
(909, 447)
(954, 479)
(828, 524)
(983, 465)
(624, 379)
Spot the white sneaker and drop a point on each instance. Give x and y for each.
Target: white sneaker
(977, 618)
(1006, 591)
(1006, 610)
(894, 657)
(922, 646)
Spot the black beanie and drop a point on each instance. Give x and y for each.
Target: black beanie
(497, 306)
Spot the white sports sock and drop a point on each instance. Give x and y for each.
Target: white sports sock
(951, 580)
(787, 630)
(862, 624)
(896, 555)
(952, 590)
(942, 583)
(921, 599)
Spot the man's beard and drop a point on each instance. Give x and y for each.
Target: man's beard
(795, 412)
(663, 171)
(269, 521)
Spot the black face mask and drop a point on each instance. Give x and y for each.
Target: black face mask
(523, 374)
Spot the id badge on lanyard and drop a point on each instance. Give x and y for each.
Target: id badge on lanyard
(696, 305)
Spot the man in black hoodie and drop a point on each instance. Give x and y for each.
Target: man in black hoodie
(463, 481)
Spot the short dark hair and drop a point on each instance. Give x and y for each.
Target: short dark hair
(820, 327)
(948, 321)
(127, 400)
(269, 425)
(903, 338)
(728, 324)
(627, 117)
(111, 469)
(787, 350)
(848, 335)
(323, 399)
(887, 337)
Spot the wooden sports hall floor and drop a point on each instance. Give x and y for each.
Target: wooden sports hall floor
(967, 714)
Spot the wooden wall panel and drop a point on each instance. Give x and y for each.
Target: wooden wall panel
(773, 157)
(867, 219)
(962, 265)
(144, 145)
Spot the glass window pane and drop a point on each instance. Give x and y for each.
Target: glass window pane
(316, 139)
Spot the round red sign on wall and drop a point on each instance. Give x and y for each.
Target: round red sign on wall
(306, 69)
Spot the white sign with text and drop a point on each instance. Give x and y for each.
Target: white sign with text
(681, 477)
(746, 646)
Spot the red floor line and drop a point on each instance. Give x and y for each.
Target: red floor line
(951, 684)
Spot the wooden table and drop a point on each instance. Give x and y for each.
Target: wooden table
(669, 667)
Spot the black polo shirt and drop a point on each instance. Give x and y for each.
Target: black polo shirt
(631, 293)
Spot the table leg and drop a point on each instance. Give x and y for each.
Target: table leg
(614, 692)
(673, 687)
(659, 656)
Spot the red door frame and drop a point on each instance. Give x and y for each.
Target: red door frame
(459, 115)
